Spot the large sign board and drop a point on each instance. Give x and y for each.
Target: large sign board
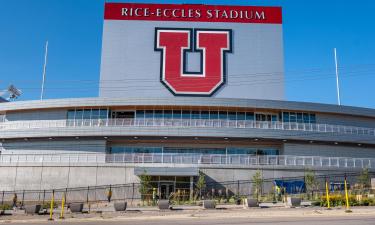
(171, 50)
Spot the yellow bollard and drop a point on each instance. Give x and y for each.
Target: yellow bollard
(327, 196)
(62, 207)
(52, 202)
(347, 197)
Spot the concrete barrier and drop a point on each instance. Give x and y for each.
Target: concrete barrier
(293, 202)
(120, 206)
(32, 209)
(76, 207)
(163, 204)
(251, 202)
(209, 204)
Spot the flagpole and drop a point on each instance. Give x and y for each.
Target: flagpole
(44, 70)
(337, 79)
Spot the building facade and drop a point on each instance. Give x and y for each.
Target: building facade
(184, 89)
(112, 141)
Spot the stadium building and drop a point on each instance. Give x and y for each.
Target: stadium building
(183, 89)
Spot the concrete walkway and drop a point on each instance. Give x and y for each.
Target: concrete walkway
(186, 212)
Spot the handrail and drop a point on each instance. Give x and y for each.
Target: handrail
(193, 159)
(205, 123)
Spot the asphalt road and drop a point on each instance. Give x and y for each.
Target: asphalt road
(352, 220)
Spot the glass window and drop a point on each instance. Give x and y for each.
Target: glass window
(95, 114)
(70, 115)
(86, 114)
(176, 114)
(286, 117)
(136, 150)
(79, 114)
(103, 113)
(149, 114)
(158, 114)
(306, 118)
(232, 116)
(185, 114)
(312, 118)
(175, 150)
(249, 116)
(195, 115)
(241, 115)
(299, 118)
(168, 114)
(293, 117)
(262, 117)
(140, 114)
(241, 151)
(268, 151)
(274, 118)
(205, 115)
(214, 115)
(223, 115)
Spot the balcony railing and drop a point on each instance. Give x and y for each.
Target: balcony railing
(193, 160)
(314, 127)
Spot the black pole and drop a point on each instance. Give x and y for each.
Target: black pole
(23, 197)
(44, 195)
(132, 194)
(2, 199)
(238, 188)
(66, 194)
(87, 196)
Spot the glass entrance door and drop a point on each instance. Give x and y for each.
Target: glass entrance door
(165, 190)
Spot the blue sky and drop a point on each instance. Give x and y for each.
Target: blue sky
(312, 28)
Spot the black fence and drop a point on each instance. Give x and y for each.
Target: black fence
(187, 193)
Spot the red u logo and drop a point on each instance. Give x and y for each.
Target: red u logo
(174, 43)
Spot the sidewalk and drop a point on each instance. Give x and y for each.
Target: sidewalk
(186, 212)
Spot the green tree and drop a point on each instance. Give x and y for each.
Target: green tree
(145, 185)
(201, 184)
(311, 182)
(364, 179)
(257, 181)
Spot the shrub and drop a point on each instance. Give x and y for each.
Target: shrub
(5, 207)
(47, 205)
(339, 200)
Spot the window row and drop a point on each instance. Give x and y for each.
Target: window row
(175, 150)
(79, 114)
(294, 117)
(193, 114)
(87, 114)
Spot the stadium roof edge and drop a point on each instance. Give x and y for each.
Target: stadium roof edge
(187, 101)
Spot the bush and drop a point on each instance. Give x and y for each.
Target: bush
(339, 200)
(5, 207)
(367, 201)
(47, 205)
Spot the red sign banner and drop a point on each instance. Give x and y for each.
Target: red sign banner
(193, 13)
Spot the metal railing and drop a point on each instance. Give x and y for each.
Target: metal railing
(205, 123)
(193, 159)
(218, 190)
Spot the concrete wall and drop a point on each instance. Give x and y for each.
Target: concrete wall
(49, 176)
(38, 176)
(53, 146)
(346, 120)
(328, 150)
